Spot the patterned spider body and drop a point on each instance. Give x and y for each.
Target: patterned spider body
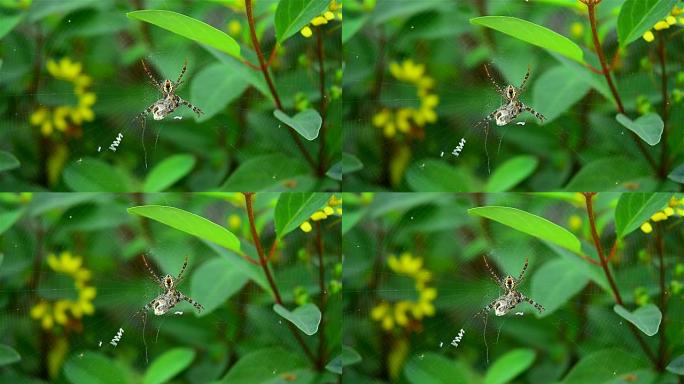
(512, 106)
(169, 101)
(511, 297)
(171, 296)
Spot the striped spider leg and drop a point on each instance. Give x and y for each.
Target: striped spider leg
(169, 101)
(171, 295)
(511, 297)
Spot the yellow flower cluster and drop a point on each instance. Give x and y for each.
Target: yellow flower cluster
(334, 12)
(50, 313)
(57, 118)
(401, 312)
(674, 207)
(403, 119)
(670, 20)
(333, 208)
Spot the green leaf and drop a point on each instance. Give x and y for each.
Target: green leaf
(510, 173)
(214, 87)
(607, 174)
(348, 357)
(351, 26)
(7, 354)
(7, 219)
(8, 22)
(168, 172)
(189, 223)
(307, 122)
(92, 175)
(435, 368)
(677, 365)
(293, 15)
(294, 208)
(264, 366)
(190, 28)
(306, 317)
(677, 174)
(646, 318)
(568, 86)
(216, 281)
(436, 176)
(168, 365)
(633, 209)
(648, 127)
(273, 171)
(555, 283)
(531, 224)
(603, 367)
(93, 368)
(8, 161)
(533, 34)
(508, 366)
(348, 164)
(638, 16)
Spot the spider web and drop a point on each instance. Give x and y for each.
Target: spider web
(467, 97)
(124, 287)
(584, 323)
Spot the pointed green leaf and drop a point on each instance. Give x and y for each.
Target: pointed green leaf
(293, 208)
(569, 87)
(677, 365)
(93, 368)
(605, 366)
(533, 34)
(511, 173)
(8, 161)
(531, 224)
(216, 281)
(190, 28)
(168, 365)
(214, 87)
(646, 318)
(633, 209)
(258, 367)
(7, 354)
(293, 15)
(92, 175)
(556, 282)
(306, 318)
(677, 174)
(307, 122)
(648, 127)
(638, 16)
(266, 172)
(7, 219)
(509, 366)
(189, 223)
(168, 172)
(348, 357)
(348, 164)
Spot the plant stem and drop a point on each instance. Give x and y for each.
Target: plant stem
(660, 249)
(591, 8)
(588, 196)
(324, 296)
(324, 100)
(666, 103)
(271, 87)
(271, 282)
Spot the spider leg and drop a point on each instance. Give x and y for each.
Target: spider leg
(187, 104)
(494, 276)
(180, 274)
(149, 74)
(185, 65)
(522, 273)
(486, 309)
(195, 304)
(535, 113)
(527, 76)
(539, 307)
(498, 89)
(157, 279)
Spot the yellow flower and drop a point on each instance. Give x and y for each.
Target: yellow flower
(577, 30)
(234, 28)
(234, 222)
(306, 227)
(665, 23)
(575, 222)
(333, 208)
(675, 207)
(334, 12)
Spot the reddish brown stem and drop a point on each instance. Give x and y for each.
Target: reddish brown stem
(269, 276)
(588, 197)
(269, 81)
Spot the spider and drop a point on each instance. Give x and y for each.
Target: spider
(512, 107)
(169, 101)
(171, 296)
(511, 298)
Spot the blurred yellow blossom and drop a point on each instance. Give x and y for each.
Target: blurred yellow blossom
(673, 18)
(49, 313)
(404, 119)
(333, 208)
(575, 222)
(234, 222)
(405, 313)
(675, 207)
(61, 117)
(334, 12)
(234, 28)
(577, 29)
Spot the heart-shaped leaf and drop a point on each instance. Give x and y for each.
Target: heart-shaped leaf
(646, 318)
(190, 28)
(638, 16)
(306, 318)
(533, 34)
(648, 127)
(307, 122)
